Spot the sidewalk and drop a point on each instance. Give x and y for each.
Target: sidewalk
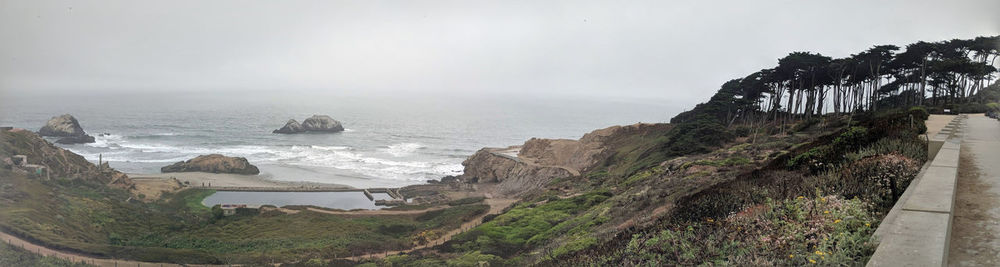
(976, 228)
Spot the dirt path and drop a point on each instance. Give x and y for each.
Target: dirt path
(74, 257)
(375, 212)
(975, 239)
(497, 205)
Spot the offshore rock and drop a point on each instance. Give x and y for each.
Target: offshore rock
(68, 127)
(213, 163)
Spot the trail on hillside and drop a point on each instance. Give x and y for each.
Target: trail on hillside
(75, 257)
(497, 205)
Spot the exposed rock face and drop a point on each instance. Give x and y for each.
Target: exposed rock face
(519, 169)
(292, 126)
(62, 163)
(68, 127)
(513, 175)
(322, 123)
(316, 123)
(213, 163)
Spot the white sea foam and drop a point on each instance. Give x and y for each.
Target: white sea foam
(116, 148)
(403, 149)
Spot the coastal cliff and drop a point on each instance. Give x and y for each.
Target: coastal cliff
(59, 162)
(521, 169)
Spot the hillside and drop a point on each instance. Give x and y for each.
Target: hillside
(792, 165)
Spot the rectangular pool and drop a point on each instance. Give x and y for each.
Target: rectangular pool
(332, 200)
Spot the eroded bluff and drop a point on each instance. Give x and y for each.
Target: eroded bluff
(520, 169)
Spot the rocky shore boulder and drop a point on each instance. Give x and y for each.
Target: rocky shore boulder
(316, 123)
(292, 126)
(214, 163)
(68, 127)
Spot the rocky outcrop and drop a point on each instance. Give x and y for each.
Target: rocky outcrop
(68, 127)
(322, 123)
(61, 163)
(292, 126)
(519, 169)
(213, 163)
(316, 123)
(514, 176)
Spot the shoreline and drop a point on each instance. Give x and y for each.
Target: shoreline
(195, 179)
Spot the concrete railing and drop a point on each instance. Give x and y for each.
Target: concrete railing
(917, 230)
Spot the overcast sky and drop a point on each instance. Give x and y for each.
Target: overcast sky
(678, 50)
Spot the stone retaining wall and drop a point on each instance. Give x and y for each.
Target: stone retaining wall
(917, 230)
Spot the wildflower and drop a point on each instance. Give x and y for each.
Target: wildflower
(836, 221)
(868, 224)
(812, 261)
(826, 212)
(819, 253)
(709, 220)
(791, 256)
(801, 197)
(823, 199)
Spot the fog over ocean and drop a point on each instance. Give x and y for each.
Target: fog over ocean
(390, 140)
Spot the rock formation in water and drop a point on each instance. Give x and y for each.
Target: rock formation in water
(67, 127)
(213, 163)
(292, 126)
(316, 123)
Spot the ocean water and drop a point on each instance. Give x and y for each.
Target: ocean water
(391, 140)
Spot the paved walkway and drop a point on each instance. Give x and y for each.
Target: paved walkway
(975, 237)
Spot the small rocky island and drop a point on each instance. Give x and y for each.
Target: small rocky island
(213, 163)
(316, 123)
(66, 127)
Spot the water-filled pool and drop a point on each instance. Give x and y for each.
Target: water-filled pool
(333, 200)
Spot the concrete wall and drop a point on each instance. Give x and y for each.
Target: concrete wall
(917, 230)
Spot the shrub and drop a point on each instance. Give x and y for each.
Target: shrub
(879, 179)
(826, 230)
(464, 201)
(971, 108)
(919, 112)
(852, 139)
(804, 124)
(741, 131)
(911, 148)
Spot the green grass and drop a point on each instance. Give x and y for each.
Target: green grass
(193, 198)
(525, 225)
(15, 256)
(88, 217)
